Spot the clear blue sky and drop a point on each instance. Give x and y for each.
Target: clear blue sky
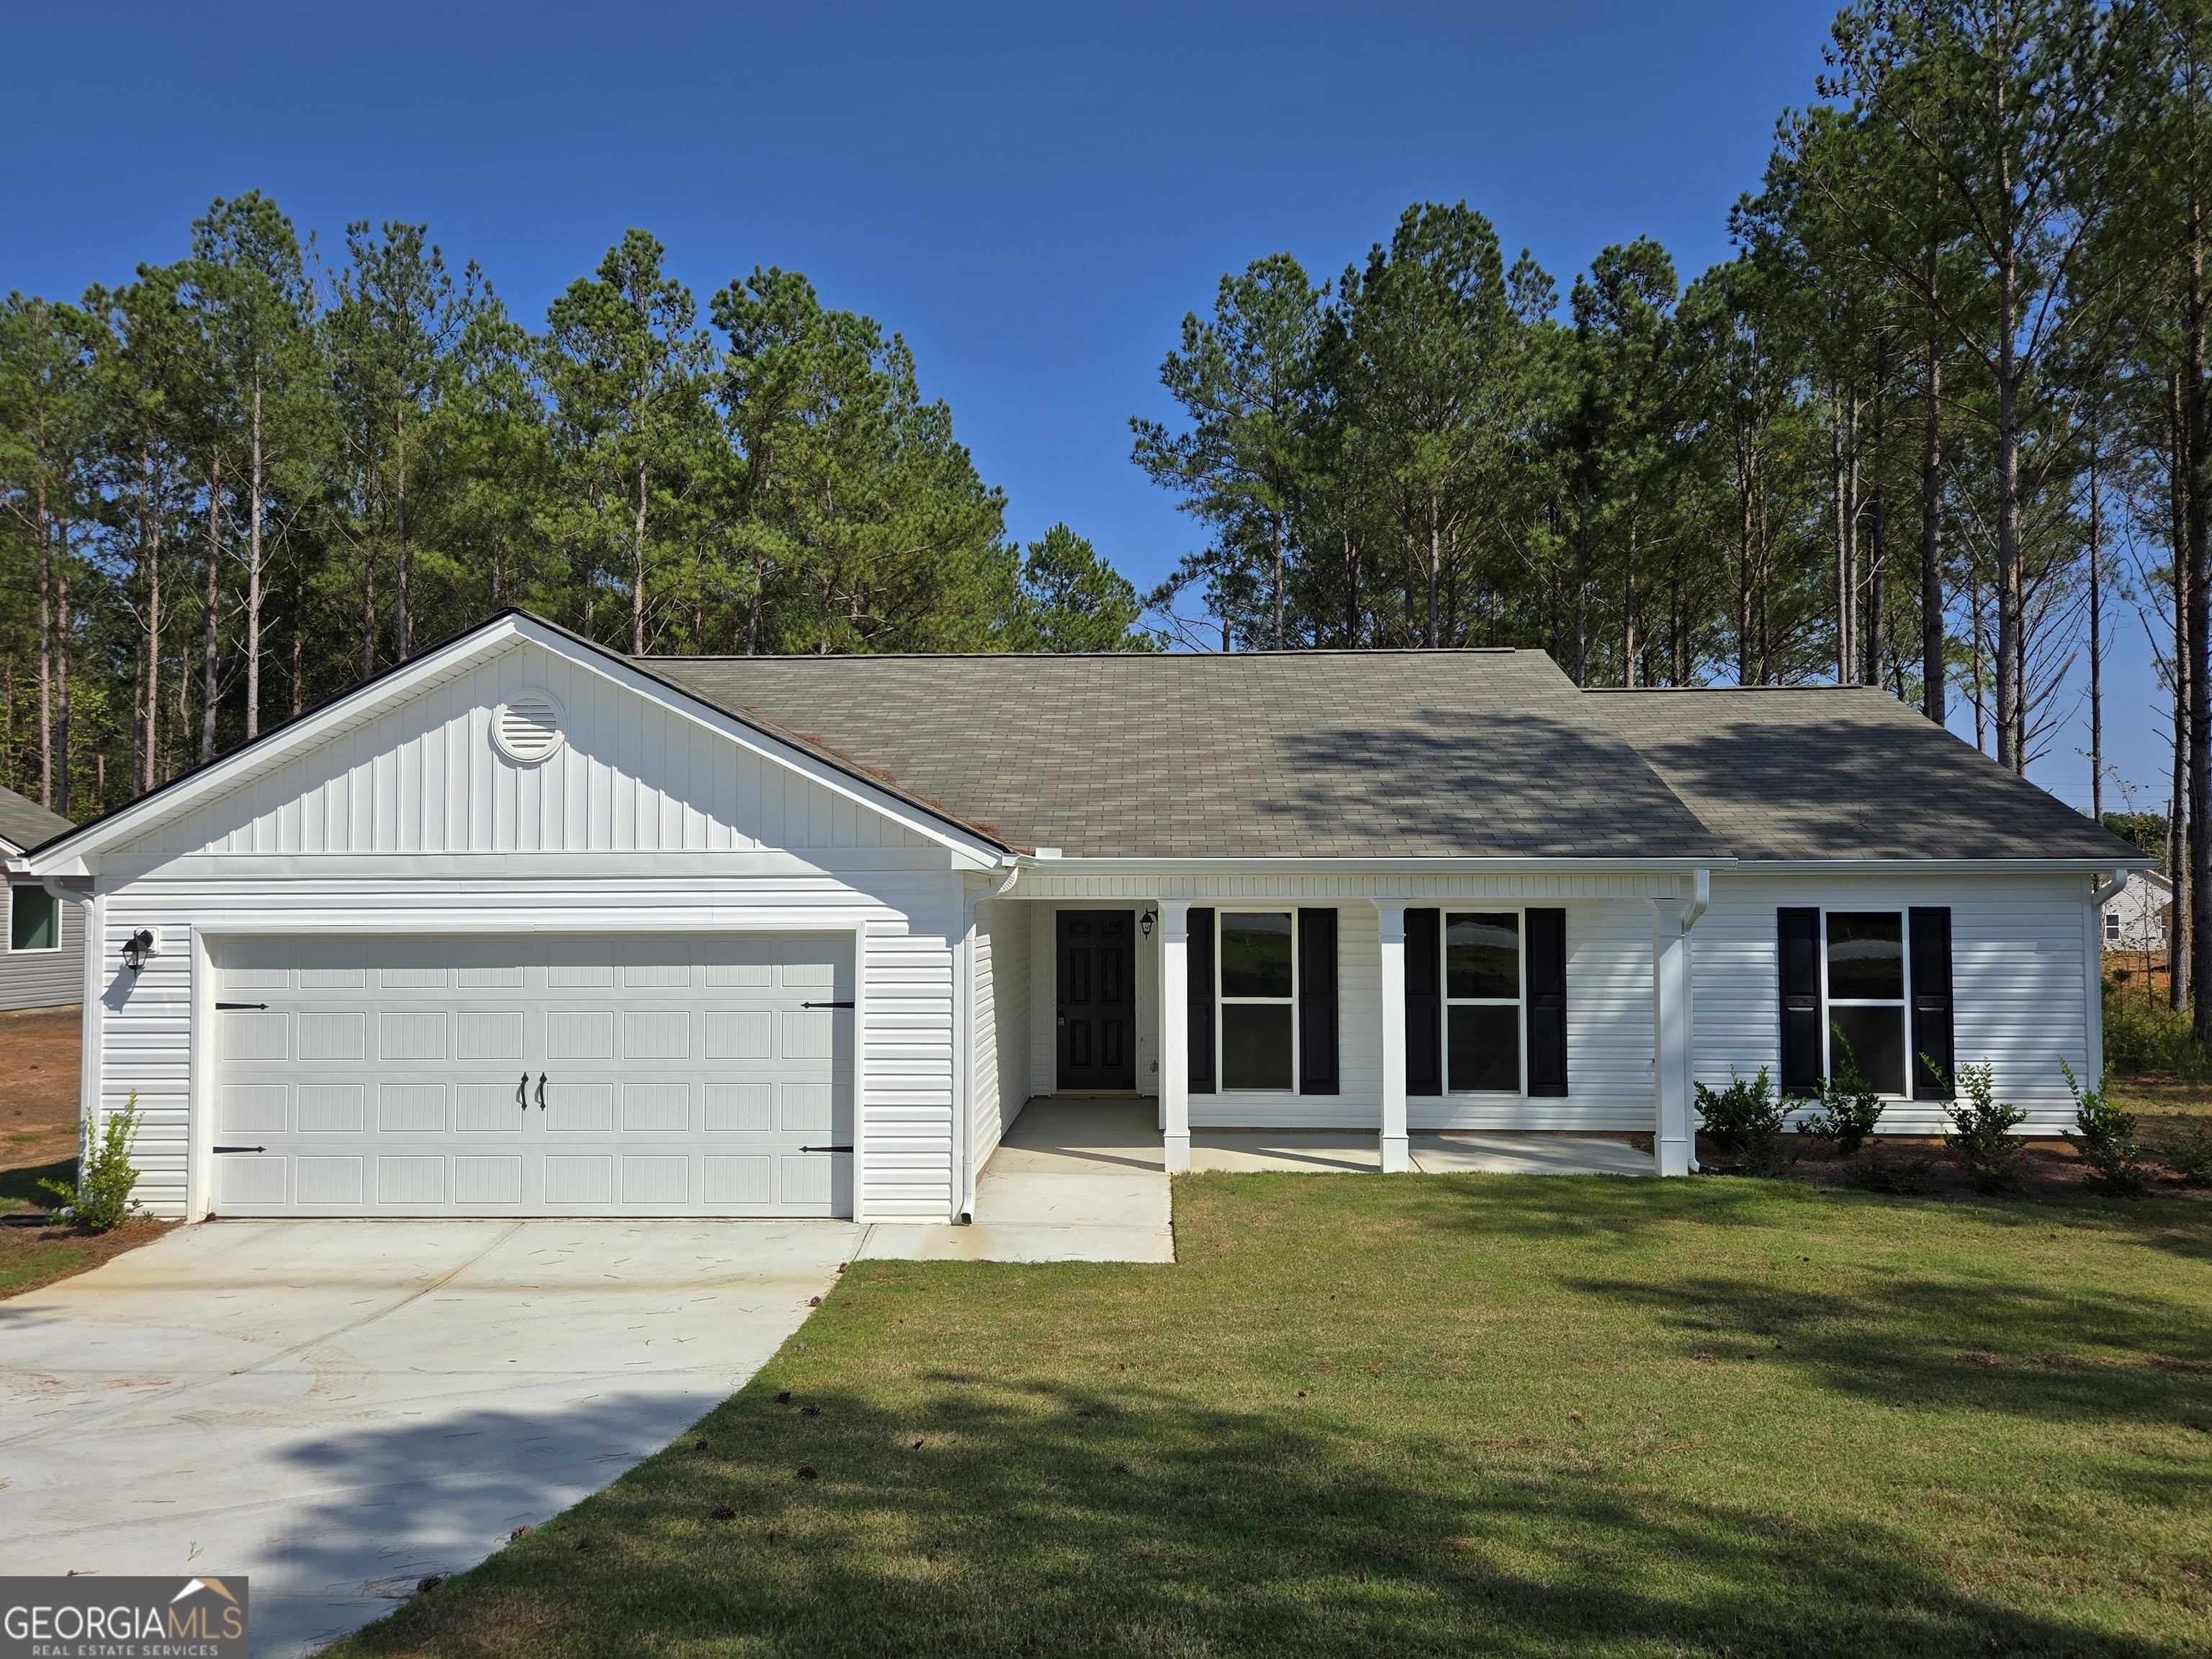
(1033, 195)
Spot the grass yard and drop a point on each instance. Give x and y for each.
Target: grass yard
(1440, 1415)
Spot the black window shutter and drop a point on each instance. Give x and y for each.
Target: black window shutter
(1201, 1002)
(1317, 1002)
(1546, 949)
(1799, 952)
(1929, 932)
(1425, 1003)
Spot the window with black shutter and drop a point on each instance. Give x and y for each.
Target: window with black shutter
(1424, 1025)
(1317, 1031)
(1930, 950)
(1200, 1002)
(1798, 951)
(1545, 932)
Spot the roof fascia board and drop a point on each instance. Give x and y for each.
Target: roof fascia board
(854, 785)
(289, 740)
(1939, 866)
(69, 852)
(1448, 865)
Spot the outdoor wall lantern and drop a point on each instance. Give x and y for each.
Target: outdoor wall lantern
(1146, 921)
(140, 949)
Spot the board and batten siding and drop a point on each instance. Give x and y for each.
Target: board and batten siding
(421, 777)
(411, 822)
(44, 979)
(2021, 996)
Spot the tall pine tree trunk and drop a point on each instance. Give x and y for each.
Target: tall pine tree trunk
(403, 597)
(45, 651)
(253, 576)
(1933, 669)
(212, 618)
(2200, 641)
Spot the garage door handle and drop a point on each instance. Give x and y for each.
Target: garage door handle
(825, 1005)
(825, 1149)
(225, 1007)
(241, 1149)
(541, 1090)
(522, 1092)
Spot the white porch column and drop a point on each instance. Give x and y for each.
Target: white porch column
(1390, 921)
(1670, 969)
(1174, 1032)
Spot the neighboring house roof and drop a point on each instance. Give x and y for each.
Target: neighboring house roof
(1843, 772)
(25, 823)
(1265, 754)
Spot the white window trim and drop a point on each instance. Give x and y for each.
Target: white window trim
(1221, 913)
(33, 950)
(1903, 1004)
(1520, 914)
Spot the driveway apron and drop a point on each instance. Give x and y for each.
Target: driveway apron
(338, 1409)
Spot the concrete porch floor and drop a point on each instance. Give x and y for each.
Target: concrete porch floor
(1086, 1181)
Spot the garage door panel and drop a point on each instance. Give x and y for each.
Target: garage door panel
(410, 1108)
(497, 1108)
(526, 1075)
(579, 1108)
(580, 1034)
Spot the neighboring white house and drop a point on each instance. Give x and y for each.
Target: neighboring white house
(526, 927)
(42, 952)
(2136, 917)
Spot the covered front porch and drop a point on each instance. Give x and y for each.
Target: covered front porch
(1091, 991)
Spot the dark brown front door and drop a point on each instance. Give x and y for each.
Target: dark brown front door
(1098, 1000)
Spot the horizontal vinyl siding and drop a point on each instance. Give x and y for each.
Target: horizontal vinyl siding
(44, 978)
(905, 1109)
(2020, 974)
(1002, 993)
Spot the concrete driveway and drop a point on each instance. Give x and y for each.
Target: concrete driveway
(337, 1408)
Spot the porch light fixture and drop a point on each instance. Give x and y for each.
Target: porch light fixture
(1146, 921)
(140, 948)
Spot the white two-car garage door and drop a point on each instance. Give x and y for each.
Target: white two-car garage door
(648, 1075)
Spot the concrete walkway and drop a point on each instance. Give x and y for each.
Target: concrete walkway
(1072, 1180)
(1085, 1180)
(338, 1408)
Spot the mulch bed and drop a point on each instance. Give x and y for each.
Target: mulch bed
(2048, 1169)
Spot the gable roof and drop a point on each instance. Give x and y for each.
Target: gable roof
(24, 824)
(1263, 755)
(1843, 772)
(449, 657)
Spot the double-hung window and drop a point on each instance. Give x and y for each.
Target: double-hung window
(34, 921)
(1482, 997)
(1865, 962)
(1258, 959)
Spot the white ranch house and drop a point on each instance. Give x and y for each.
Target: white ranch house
(526, 927)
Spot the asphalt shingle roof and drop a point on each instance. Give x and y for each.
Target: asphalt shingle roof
(1843, 772)
(25, 823)
(1311, 754)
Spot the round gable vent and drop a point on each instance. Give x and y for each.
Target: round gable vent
(527, 727)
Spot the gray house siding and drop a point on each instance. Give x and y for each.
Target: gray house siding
(46, 979)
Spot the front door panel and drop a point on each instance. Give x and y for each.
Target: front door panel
(1097, 995)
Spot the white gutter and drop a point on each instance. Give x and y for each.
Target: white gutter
(1701, 895)
(965, 1211)
(2110, 891)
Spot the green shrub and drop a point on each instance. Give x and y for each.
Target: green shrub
(2142, 1035)
(2106, 1132)
(2188, 1153)
(1849, 1106)
(101, 1197)
(1982, 1130)
(1742, 1113)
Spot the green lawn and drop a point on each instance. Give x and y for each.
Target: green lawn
(1441, 1416)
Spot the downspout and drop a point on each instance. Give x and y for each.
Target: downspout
(964, 1210)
